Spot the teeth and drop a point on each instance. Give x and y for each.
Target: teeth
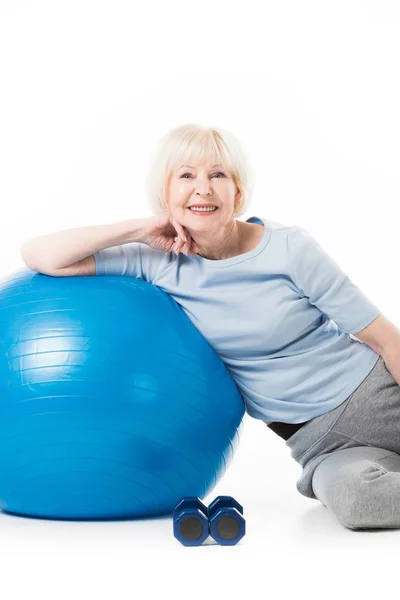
(200, 209)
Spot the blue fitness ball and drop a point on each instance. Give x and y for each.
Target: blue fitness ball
(112, 404)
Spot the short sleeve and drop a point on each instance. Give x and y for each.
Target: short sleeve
(326, 286)
(119, 260)
(133, 260)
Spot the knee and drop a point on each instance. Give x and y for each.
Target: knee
(356, 501)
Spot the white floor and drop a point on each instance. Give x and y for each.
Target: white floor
(293, 547)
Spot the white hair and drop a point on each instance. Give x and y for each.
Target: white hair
(198, 143)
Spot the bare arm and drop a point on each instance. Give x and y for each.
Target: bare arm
(55, 251)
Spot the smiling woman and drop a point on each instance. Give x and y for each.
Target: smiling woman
(275, 307)
(189, 145)
(200, 178)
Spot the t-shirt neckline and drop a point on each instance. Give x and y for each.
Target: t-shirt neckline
(225, 262)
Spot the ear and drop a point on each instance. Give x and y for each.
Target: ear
(237, 201)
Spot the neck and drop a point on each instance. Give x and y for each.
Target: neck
(225, 245)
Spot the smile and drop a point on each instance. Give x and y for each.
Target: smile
(203, 211)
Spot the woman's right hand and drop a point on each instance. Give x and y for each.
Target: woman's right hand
(166, 234)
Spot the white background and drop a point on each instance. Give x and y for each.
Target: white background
(312, 90)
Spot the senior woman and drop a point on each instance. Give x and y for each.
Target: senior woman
(312, 357)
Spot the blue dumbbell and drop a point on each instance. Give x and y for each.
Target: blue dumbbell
(227, 525)
(190, 518)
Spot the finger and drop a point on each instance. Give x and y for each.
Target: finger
(183, 241)
(178, 243)
(180, 230)
(177, 247)
(187, 244)
(183, 247)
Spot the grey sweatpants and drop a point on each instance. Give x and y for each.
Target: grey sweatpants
(350, 456)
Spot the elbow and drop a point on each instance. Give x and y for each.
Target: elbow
(381, 335)
(27, 257)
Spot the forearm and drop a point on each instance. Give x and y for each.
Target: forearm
(63, 248)
(391, 356)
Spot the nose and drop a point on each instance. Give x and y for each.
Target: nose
(203, 186)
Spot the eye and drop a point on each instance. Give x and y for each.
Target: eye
(219, 173)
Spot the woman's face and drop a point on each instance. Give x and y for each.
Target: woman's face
(207, 184)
